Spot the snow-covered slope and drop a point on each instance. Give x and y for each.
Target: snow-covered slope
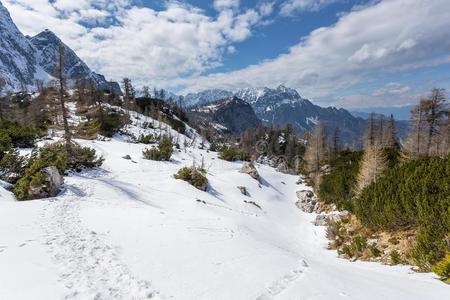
(205, 97)
(129, 230)
(17, 56)
(24, 60)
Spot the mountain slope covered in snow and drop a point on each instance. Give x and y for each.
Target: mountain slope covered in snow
(24, 60)
(130, 230)
(18, 64)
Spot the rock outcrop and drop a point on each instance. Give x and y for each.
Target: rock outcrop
(49, 186)
(326, 219)
(307, 201)
(243, 190)
(250, 169)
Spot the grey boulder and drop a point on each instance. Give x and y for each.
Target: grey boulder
(306, 201)
(49, 186)
(250, 169)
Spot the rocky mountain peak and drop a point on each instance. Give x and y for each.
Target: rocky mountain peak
(45, 38)
(229, 115)
(283, 89)
(23, 60)
(17, 59)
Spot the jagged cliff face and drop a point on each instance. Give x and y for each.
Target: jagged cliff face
(48, 46)
(17, 56)
(24, 60)
(231, 115)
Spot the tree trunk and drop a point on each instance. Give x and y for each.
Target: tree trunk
(67, 134)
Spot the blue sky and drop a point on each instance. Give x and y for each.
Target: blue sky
(362, 53)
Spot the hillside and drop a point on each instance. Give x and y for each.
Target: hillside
(130, 230)
(243, 189)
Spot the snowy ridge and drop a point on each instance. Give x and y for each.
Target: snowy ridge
(205, 97)
(17, 60)
(282, 105)
(23, 60)
(252, 96)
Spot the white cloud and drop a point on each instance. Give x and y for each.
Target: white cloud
(266, 8)
(70, 5)
(231, 49)
(362, 46)
(149, 46)
(392, 94)
(391, 89)
(289, 7)
(174, 47)
(226, 4)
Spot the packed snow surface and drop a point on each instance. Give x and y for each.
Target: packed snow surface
(130, 230)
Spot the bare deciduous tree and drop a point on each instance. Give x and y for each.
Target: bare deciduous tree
(316, 149)
(428, 125)
(435, 111)
(373, 164)
(128, 94)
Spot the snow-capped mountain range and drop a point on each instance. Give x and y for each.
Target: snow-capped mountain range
(24, 60)
(283, 105)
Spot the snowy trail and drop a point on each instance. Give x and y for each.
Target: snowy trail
(115, 230)
(285, 282)
(90, 268)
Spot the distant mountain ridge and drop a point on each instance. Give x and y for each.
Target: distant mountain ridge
(283, 105)
(400, 113)
(229, 115)
(24, 60)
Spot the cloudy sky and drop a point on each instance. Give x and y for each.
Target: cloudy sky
(362, 53)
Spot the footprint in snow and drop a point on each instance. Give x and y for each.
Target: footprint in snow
(91, 268)
(284, 282)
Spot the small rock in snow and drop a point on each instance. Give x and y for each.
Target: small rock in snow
(306, 201)
(250, 169)
(243, 190)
